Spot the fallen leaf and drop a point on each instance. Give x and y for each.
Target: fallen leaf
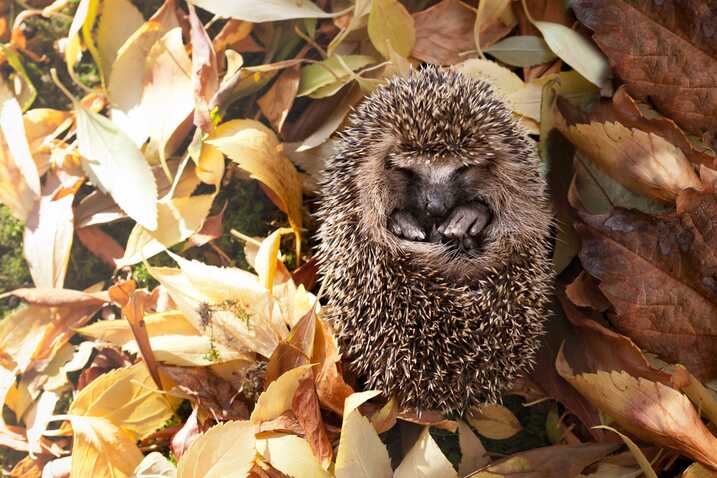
(667, 55)
(696, 470)
(584, 292)
(102, 449)
(494, 421)
(126, 82)
(269, 11)
(325, 78)
(361, 454)
(205, 74)
(521, 50)
(276, 103)
(59, 297)
(473, 454)
(48, 234)
(177, 220)
(557, 460)
(644, 162)
(19, 179)
(127, 398)
(113, 162)
(656, 272)
(155, 465)
(426, 460)
(359, 19)
(119, 19)
(168, 74)
(279, 396)
(305, 406)
(389, 23)
(640, 457)
(444, 33)
(649, 410)
(494, 20)
(330, 384)
(255, 148)
(101, 244)
(290, 455)
(226, 450)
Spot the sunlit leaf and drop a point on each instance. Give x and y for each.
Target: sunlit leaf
(361, 454)
(494, 421)
(389, 23)
(102, 449)
(116, 166)
(226, 450)
(266, 11)
(279, 395)
(118, 21)
(291, 455)
(426, 460)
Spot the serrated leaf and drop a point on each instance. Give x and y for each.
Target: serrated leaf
(389, 23)
(291, 455)
(264, 11)
(520, 50)
(126, 397)
(226, 450)
(116, 166)
(361, 453)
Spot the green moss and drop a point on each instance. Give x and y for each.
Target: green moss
(13, 268)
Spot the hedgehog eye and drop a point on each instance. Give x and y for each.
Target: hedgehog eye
(462, 170)
(408, 173)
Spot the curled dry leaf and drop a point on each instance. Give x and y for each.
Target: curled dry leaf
(118, 21)
(226, 450)
(205, 71)
(494, 20)
(305, 406)
(278, 100)
(444, 32)
(494, 421)
(279, 396)
(657, 273)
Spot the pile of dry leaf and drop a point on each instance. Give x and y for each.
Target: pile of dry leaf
(223, 372)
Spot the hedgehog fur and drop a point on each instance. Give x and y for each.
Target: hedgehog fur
(436, 329)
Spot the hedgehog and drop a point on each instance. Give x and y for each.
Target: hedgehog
(434, 242)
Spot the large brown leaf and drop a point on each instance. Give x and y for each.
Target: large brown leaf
(443, 32)
(659, 274)
(668, 53)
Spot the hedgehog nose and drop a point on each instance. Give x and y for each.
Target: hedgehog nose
(435, 207)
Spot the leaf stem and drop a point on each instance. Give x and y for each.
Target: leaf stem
(58, 83)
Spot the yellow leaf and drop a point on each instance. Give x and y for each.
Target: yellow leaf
(279, 395)
(128, 398)
(177, 219)
(291, 455)
(494, 19)
(696, 470)
(577, 51)
(357, 399)
(21, 332)
(644, 162)
(101, 449)
(83, 21)
(42, 126)
(256, 149)
(267, 257)
(494, 421)
(425, 460)
(361, 453)
(19, 179)
(389, 23)
(118, 332)
(119, 20)
(226, 450)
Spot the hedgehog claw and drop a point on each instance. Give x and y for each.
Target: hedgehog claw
(467, 220)
(402, 224)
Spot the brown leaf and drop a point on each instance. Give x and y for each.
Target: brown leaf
(101, 244)
(659, 274)
(428, 418)
(305, 406)
(284, 358)
(584, 292)
(306, 274)
(649, 410)
(212, 393)
(558, 460)
(443, 32)
(235, 35)
(213, 228)
(668, 54)
(330, 385)
(134, 313)
(276, 103)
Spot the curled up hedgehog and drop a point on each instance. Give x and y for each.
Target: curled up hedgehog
(434, 242)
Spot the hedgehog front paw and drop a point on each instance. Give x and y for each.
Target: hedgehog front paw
(404, 225)
(465, 222)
